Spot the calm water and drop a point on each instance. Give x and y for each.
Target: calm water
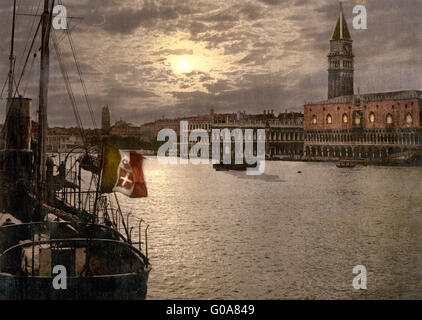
(283, 235)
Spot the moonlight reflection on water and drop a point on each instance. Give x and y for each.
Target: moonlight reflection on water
(223, 235)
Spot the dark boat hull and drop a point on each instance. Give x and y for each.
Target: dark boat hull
(116, 287)
(345, 166)
(234, 167)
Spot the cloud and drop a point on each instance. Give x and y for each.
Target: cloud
(176, 52)
(251, 54)
(273, 2)
(126, 20)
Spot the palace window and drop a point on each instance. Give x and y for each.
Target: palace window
(372, 117)
(409, 119)
(314, 119)
(345, 118)
(329, 119)
(357, 119)
(389, 119)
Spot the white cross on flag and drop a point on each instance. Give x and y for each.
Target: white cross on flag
(122, 172)
(130, 176)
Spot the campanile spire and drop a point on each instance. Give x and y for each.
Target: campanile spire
(340, 59)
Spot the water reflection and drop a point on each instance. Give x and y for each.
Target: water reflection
(284, 235)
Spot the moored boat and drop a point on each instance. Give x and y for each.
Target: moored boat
(350, 163)
(234, 167)
(345, 164)
(58, 239)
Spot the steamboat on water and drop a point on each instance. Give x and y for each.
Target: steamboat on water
(53, 222)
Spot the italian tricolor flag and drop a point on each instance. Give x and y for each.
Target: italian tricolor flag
(122, 172)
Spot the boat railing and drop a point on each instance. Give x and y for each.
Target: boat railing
(10, 259)
(35, 230)
(76, 198)
(89, 201)
(38, 226)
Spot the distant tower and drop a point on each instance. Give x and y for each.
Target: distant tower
(340, 60)
(105, 120)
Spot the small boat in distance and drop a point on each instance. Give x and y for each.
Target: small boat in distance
(350, 163)
(235, 167)
(345, 164)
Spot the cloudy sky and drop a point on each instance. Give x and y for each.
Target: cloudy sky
(149, 59)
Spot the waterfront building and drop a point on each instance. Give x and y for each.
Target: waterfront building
(286, 137)
(376, 127)
(124, 129)
(147, 132)
(284, 133)
(173, 124)
(204, 122)
(63, 140)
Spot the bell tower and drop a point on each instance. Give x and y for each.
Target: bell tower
(105, 120)
(340, 60)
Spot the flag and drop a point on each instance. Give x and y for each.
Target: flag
(122, 172)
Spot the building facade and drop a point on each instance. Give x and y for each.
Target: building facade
(124, 129)
(64, 140)
(286, 137)
(375, 127)
(147, 132)
(380, 128)
(284, 133)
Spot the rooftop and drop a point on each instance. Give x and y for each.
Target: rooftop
(367, 97)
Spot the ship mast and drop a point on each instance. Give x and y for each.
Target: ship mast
(12, 56)
(43, 97)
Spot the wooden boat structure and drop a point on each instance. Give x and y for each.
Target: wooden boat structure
(51, 221)
(234, 167)
(349, 163)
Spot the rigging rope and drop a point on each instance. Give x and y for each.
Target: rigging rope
(71, 96)
(20, 78)
(78, 68)
(2, 90)
(69, 89)
(30, 71)
(32, 26)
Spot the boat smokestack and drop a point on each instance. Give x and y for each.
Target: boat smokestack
(16, 160)
(18, 124)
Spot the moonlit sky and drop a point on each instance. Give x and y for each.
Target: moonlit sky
(149, 59)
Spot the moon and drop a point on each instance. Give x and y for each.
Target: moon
(184, 66)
